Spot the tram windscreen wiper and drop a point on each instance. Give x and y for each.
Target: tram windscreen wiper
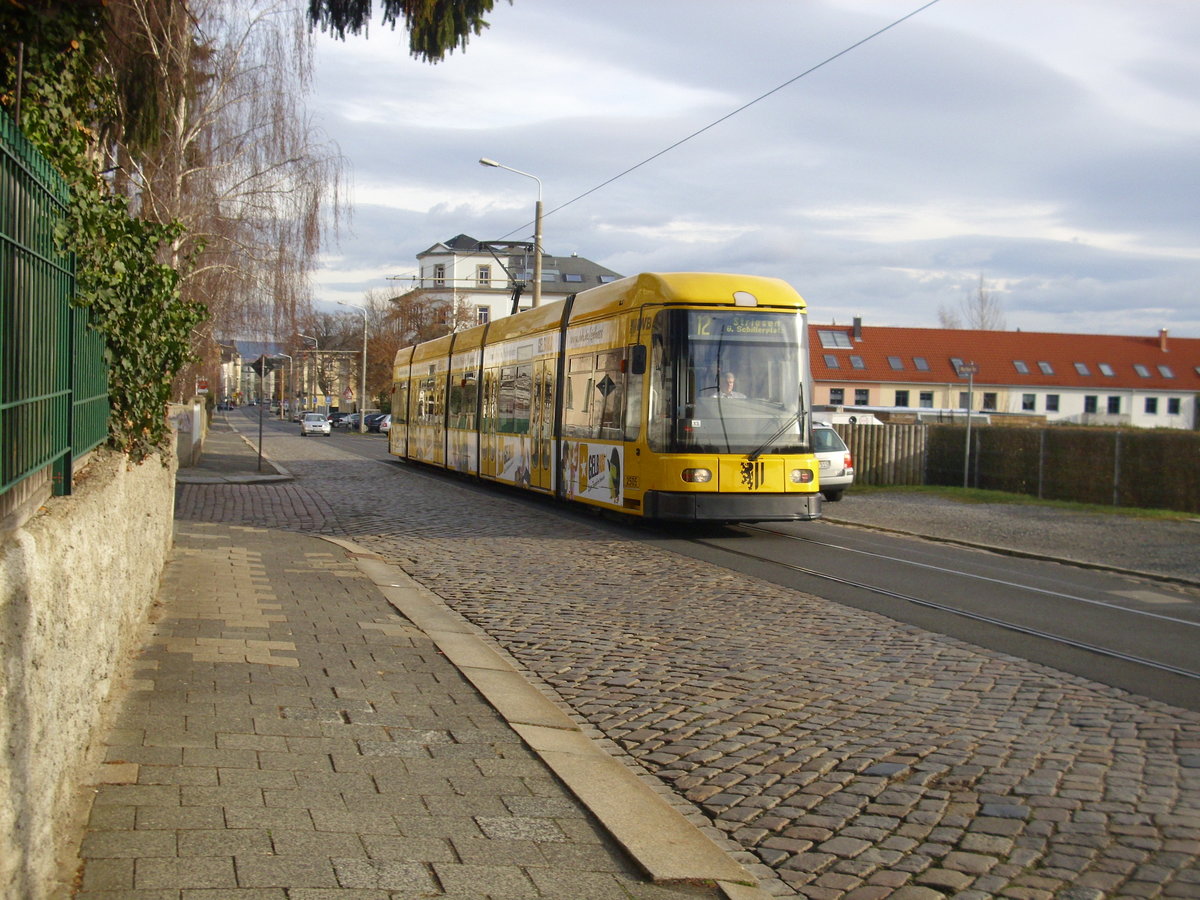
(793, 419)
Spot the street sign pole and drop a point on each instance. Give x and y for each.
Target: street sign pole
(968, 369)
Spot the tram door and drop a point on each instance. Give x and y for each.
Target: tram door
(542, 425)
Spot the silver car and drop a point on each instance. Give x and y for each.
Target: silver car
(837, 466)
(314, 423)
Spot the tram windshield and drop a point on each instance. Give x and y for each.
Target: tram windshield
(727, 381)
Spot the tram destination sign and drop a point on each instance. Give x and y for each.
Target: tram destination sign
(712, 325)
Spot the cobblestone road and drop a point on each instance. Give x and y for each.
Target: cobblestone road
(853, 756)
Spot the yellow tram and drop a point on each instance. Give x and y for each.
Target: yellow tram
(678, 396)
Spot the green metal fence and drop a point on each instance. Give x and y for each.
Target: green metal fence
(53, 377)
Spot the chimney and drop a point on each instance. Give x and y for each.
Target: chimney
(1162, 339)
(858, 328)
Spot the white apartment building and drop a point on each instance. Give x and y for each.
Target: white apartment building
(483, 275)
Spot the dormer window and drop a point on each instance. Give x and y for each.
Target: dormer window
(1019, 365)
(833, 339)
(1082, 369)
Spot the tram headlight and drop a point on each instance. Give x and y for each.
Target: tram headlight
(697, 476)
(802, 476)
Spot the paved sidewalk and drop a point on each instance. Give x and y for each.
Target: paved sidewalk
(304, 722)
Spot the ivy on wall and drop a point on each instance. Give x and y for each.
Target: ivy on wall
(125, 273)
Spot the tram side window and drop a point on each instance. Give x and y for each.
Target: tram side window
(522, 398)
(516, 388)
(508, 393)
(608, 408)
(400, 403)
(463, 395)
(577, 405)
(633, 392)
(490, 402)
(428, 405)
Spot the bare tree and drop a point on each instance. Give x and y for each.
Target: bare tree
(215, 136)
(980, 311)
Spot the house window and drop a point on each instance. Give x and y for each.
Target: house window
(1019, 365)
(833, 339)
(439, 275)
(921, 363)
(1151, 406)
(1165, 372)
(1114, 406)
(1141, 370)
(1106, 369)
(837, 396)
(483, 314)
(1046, 368)
(1172, 406)
(902, 398)
(955, 364)
(857, 362)
(964, 402)
(1090, 404)
(1052, 403)
(483, 276)
(1029, 402)
(1082, 369)
(831, 361)
(989, 401)
(926, 399)
(862, 397)
(896, 363)
(573, 277)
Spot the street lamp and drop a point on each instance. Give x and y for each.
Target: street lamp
(968, 369)
(291, 383)
(537, 228)
(362, 387)
(309, 369)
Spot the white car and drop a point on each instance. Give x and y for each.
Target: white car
(314, 423)
(837, 467)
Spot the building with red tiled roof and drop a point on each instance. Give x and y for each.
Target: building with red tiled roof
(1147, 382)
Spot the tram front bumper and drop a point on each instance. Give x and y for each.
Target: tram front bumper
(711, 507)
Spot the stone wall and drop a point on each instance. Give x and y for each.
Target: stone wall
(76, 583)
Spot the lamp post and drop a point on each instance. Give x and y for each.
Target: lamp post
(316, 349)
(362, 388)
(968, 369)
(537, 228)
(291, 383)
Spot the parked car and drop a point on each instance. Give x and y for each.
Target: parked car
(837, 466)
(384, 425)
(349, 422)
(373, 420)
(335, 418)
(314, 423)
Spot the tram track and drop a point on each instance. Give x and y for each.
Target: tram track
(758, 555)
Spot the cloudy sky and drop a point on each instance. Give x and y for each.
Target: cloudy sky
(1050, 146)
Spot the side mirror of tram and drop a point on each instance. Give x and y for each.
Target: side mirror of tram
(637, 360)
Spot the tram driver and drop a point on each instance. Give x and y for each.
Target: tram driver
(727, 391)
